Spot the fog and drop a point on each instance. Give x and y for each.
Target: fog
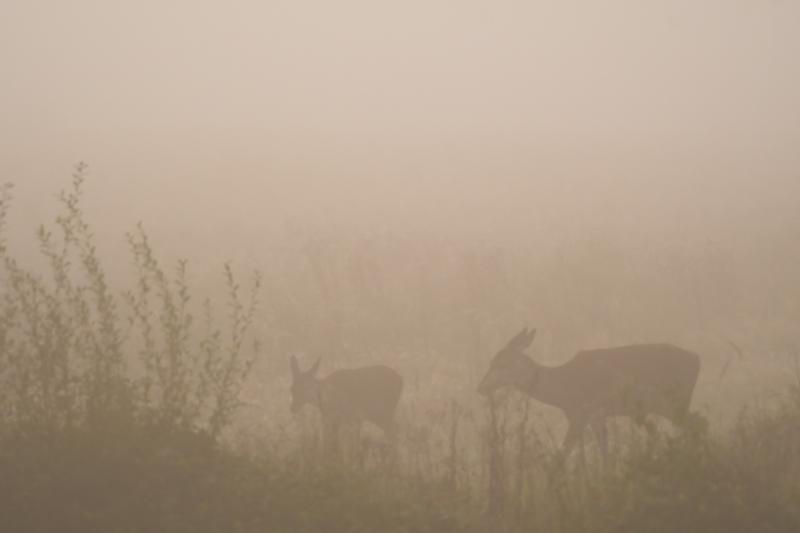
(424, 114)
(419, 180)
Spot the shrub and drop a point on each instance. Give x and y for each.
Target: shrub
(70, 359)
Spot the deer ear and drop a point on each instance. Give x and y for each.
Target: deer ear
(518, 340)
(294, 367)
(314, 368)
(529, 338)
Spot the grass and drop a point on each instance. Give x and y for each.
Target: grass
(149, 408)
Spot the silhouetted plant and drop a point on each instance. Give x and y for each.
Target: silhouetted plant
(65, 360)
(187, 380)
(110, 410)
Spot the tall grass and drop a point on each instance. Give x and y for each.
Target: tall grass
(148, 408)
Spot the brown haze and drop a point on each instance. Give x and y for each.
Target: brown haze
(492, 117)
(418, 180)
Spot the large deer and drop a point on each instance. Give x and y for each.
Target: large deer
(348, 397)
(632, 381)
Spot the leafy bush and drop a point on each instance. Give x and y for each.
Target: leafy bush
(70, 359)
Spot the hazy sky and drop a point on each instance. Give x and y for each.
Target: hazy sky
(240, 109)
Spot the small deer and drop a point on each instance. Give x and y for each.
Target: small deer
(349, 397)
(594, 385)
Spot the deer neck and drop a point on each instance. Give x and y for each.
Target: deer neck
(545, 383)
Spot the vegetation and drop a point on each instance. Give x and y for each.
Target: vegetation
(147, 410)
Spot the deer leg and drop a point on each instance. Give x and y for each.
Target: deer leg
(650, 427)
(388, 448)
(330, 437)
(574, 436)
(601, 434)
(390, 431)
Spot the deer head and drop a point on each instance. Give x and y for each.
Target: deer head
(511, 366)
(305, 385)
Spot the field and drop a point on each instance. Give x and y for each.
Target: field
(163, 404)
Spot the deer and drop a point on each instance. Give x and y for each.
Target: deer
(633, 381)
(348, 397)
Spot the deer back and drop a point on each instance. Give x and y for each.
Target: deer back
(631, 380)
(366, 393)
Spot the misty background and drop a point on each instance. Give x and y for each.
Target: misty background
(647, 150)
(407, 184)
